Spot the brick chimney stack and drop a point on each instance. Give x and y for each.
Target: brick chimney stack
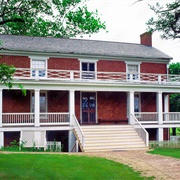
(146, 39)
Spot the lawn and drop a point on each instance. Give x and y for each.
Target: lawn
(173, 152)
(58, 166)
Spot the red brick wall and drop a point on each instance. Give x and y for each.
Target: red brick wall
(63, 63)
(13, 101)
(153, 68)
(77, 105)
(58, 101)
(148, 102)
(112, 105)
(111, 66)
(17, 61)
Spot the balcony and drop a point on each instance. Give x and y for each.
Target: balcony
(69, 75)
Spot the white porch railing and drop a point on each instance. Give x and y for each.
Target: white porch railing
(141, 131)
(147, 117)
(49, 74)
(54, 118)
(79, 132)
(173, 117)
(17, 118)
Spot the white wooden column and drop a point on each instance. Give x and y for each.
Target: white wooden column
(1, 139)
(37, 107)
(160, 134)
(159, 108)
(131, 106)
(166, 107)
(71, 105)
(1, 102)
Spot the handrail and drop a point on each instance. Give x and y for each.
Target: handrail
(141, 131)
(79, 132)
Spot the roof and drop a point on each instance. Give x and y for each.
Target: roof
(79, 47)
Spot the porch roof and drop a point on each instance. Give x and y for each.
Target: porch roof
(80, 47)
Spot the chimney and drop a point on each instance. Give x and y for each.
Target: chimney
(146, 39)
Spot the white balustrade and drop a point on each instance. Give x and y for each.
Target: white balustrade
(54, 118)
(147, 117)
(17, 118)
(171, 117)
(141, 131)
(51, 74)
(78, 131)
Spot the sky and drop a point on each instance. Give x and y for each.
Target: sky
(126, 21)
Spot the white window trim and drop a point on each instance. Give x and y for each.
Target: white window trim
(134, 63)
(89, 61)
(39, 58)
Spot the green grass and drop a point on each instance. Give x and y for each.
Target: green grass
(58, 166)
(172, 152)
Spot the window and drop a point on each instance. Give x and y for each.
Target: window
(38, 67)
(88, 70)
(133, 71)
(137, 103)
(42, 101)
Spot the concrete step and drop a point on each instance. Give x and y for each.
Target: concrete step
(111, 138)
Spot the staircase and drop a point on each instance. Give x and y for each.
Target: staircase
(111, 138)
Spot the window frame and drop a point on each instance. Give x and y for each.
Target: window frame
(128, 63)
(38, 58)
(88, 61)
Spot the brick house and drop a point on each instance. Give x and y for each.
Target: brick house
(99, 95)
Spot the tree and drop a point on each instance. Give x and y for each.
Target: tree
(167, 20)
(174, 68)
(57, 18)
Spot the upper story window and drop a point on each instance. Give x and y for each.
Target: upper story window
(88, 69)
(38, 67)
(133, 71)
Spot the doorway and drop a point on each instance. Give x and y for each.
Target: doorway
(88, 108)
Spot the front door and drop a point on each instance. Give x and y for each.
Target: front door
(88, 108)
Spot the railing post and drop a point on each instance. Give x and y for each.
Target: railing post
(1, 101)
(37, 107)
(71, 75)
(159, 78)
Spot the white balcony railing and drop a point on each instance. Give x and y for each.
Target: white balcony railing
(18, 119)
(25, 73)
